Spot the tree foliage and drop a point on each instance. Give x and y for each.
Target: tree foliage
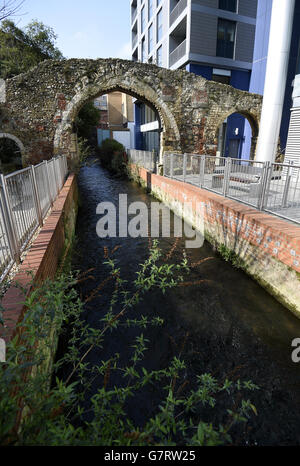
(21, 49)
(86, 120)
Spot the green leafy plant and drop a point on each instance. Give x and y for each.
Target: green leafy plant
(87, 120)
(42, 403)
(111, 154)
(21, 49)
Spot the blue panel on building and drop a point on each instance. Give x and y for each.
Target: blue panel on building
(102, 134)
(138, 140)
(200, 70)
(240, 79)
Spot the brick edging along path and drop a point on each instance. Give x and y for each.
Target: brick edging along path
(41, 260)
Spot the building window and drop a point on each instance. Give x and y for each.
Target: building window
(221, 75)
(159, 25)
(101, 102)
(143, 19)
(150, 9)
(158, 2)
(219, 78)
(229, 5)
(226, 38)
(150, 38)
(159, 56)
(143, 50)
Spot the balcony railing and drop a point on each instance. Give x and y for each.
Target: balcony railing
(178, 53)
(176, 12)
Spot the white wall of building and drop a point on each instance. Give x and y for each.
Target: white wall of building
(123, 137)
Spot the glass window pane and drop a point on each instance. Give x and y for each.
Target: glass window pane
(225, 38)
(143, 50)
(159, 26)
(150, 9)
(143, 19)
(229, 5)
(159, 56)
(150, 38)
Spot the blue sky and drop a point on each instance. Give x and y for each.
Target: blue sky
(85, 28)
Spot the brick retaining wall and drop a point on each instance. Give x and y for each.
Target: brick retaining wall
(269, 247)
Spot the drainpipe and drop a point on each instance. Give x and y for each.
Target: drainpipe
(275, 80)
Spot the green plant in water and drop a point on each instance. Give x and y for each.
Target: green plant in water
(39, 408)
(230, 256)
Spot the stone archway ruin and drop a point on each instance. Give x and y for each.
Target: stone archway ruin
(16, 140)
(39, 107)
(251, 120)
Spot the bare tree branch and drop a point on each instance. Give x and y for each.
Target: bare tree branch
(10, 8)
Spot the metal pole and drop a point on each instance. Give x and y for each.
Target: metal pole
(286, 187)
(184, 166)
(9, 223)
(226, 176)
(201, 171)
(49, 183)
(36, 197)
(265, 186)
(171, 165)
(275, 80)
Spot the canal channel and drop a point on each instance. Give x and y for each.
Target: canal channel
(231, 326)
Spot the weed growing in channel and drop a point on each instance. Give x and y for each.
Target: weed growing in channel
(40, 407)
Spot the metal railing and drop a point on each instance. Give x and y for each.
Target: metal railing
(272, 187)
(25, 199)
(178, 53)
(143, 158)
(177, 10)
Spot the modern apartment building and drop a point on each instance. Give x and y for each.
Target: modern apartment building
(211, 38)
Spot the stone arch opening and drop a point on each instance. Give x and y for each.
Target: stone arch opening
(65, 137)
(132, 121)
(12, 153)
(236, 135)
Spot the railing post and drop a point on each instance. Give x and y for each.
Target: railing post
(153, 161)
(36, 197)
(184, 166)
(9, 223)
(287, 186)
(226, 176)
(66, 165)
(201, 171)
(171, 165)
(265, 185)
(49, 183)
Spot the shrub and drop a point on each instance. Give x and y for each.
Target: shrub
(112, 155)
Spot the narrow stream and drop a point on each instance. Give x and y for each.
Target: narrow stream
(234, 327)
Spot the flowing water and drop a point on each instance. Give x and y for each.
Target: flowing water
(234, 327)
